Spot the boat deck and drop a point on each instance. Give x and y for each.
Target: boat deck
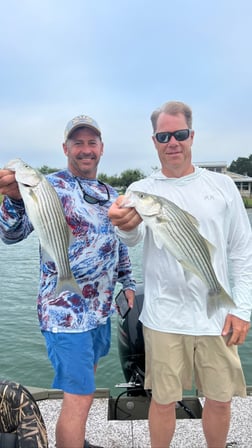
(108, 433)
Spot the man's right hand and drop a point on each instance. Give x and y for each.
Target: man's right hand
(9, 185)
(123, 217)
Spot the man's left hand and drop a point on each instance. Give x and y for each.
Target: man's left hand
(130, 296)
(237, 328)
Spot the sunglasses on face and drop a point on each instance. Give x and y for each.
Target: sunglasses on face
(92, 200)
(165, 137)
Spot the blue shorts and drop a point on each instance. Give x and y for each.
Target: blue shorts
(74, 355)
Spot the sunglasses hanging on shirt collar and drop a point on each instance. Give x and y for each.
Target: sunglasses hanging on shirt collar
(91, 199)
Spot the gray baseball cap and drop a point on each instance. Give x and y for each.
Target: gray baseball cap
(79, 122)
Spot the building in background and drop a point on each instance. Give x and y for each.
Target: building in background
(243, 182)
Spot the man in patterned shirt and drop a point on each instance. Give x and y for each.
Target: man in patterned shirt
(76, 327)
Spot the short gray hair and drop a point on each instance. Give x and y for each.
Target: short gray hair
(172, 108)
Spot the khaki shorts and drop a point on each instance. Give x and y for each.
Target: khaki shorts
(172, 361)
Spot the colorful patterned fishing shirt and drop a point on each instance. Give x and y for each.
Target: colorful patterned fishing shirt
(97, 257)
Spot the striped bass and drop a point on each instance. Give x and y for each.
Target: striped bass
(45, 211)
(177, 231)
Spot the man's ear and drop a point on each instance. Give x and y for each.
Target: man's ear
(64, 145)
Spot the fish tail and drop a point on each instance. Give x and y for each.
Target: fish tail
(218, 300)
(68, 284)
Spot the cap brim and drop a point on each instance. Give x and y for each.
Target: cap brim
(97, 131)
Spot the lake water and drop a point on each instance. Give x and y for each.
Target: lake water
(22, 350)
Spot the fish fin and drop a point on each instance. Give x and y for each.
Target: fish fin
(217, 301)
(45, 255)
(69, 284)
(71, 236)
(191, 218)
(33, 196)
(157, 234)
(210, 247)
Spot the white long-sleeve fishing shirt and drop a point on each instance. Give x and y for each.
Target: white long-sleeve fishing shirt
(174, 301)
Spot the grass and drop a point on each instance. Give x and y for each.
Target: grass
(247, 202)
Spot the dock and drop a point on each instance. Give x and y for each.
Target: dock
(103, 431)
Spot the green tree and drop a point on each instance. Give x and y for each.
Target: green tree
(242, 165)
(129, 176)
(124, 180)
(114, 181)
(47, 170)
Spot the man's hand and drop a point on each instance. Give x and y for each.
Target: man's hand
(130, 296)
(8, 184)
(237, 328)
(123, 217)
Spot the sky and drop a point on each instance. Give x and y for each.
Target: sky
(117, 61)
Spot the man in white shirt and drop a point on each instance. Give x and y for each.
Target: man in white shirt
(181, 340)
